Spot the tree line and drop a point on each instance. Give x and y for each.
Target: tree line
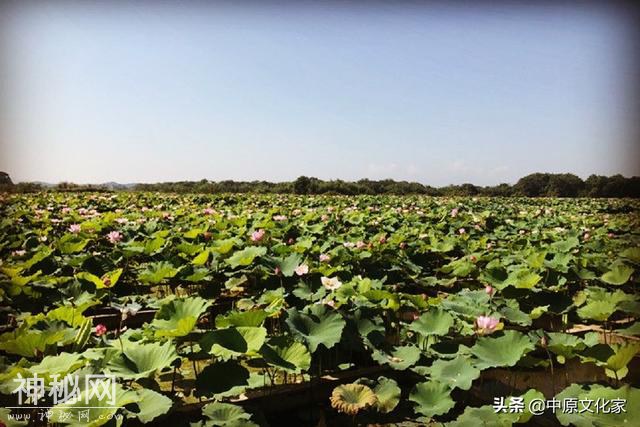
(533, 185)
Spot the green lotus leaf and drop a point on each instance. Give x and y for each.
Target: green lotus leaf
(157, 272)
(433, 322)
(616, 365)
(241, 318)
(221, 414)
(30, 342)
(522, 278)
(565, 346)
(458, 372)
(107, 281)
(220, 377)
(323, 328)
(633, 330)
(246, 256)
(60, 365)
(501, 351)
(142, 360)
(484, 416)
(632, 254)
(234, 342)
(400, 358)
(432, 398)
(288, 265)
(151, 405)
(286, 354)
(600, 418)
(100, 410)
(387, 394)
(352, 398)
(178, 317)
(71, 244)
(599, 310)
(619, 274)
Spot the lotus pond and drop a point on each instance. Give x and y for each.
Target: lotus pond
(251, 310)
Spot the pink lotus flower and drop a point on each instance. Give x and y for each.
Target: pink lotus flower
(325, 258)
(74, 228)
(279, 218)
(521, 232)
(291, 241)
(114, 237)
(473, 258)
(122, 220)
(586, 236)
(19, 252)
(324, 218)
(302, 269)
(454, 212)
(209, 211)
(331, 283)
(257, 235)
(100, 330)
(611, 235)
(66, 210)
(277, 271)
(489, 290)
(462, 231)
(360, 244)
(383, 240)
(486, 324)
(349, 244)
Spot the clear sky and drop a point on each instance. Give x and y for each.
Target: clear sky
(146, 92)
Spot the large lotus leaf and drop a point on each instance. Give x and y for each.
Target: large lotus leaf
(522, 278)
(178, 317)
(432, 398)
(158, 272)
(600, 418)
(246, 256)
(433, 322)
(458, 372)
(234, 342)
(632, 254)
(28, 343)
(241, 318)
(352, 398)
(565, 346)
(501, 351)
(388, 395)
(286, 354)
(107, 281)
(599, 310)
(484, 416)
(400, 358)
(564, 245)
(60, 365)
(619, 274)
(616, 365)
(151, 405)
(142, 360)
(325, 328)
(100, 410)
(288, 265)
(221, 414)
(71, 243)
(220, 377)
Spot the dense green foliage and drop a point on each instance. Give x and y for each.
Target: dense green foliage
(253, 291)
(534, 185)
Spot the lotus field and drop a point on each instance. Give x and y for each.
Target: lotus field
(277, 310)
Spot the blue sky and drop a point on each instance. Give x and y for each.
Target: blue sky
(439, 94)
